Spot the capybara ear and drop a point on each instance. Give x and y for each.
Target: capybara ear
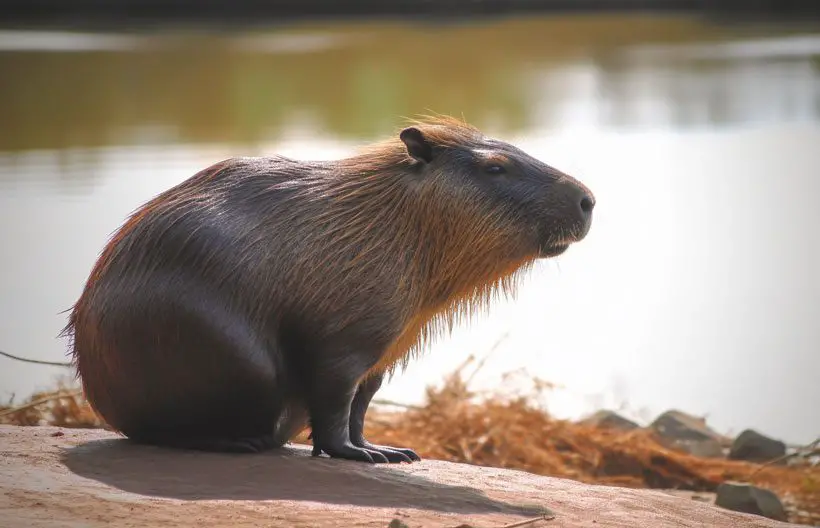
(417, 145)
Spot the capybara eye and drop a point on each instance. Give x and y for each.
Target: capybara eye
(495, 169)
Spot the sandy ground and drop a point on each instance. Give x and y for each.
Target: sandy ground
(71, 478)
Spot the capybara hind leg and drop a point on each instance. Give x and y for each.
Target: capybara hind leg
(364, 394)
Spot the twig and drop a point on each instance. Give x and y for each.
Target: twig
(460, 368)
(37, 361)
(76, 392)
(517, 524)
(397, 404)
(484, 359)
(379, 421)
(529, 521)
(808, 448)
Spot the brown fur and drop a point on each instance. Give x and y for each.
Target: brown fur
(349, 267)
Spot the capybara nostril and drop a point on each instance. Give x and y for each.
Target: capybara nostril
(587, 204)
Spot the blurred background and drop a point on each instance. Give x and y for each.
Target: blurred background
(697, 127)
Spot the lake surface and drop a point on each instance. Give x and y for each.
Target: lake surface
(696, 289)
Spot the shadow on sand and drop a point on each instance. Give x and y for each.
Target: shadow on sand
(289, 473)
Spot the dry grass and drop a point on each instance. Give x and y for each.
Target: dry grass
(515, 433)
(62, 407)
(458, 425)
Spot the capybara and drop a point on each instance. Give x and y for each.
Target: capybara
(264, 295)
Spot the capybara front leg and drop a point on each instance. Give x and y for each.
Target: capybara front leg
(330, 404)
(361, 401)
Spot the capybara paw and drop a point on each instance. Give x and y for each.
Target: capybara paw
(350, 452)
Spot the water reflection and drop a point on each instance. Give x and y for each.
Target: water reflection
(738, 83)
(354, 82)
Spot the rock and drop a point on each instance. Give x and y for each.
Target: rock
(701, 448)
(610, 419)
(750, 499)
(755, 447)
(93, 478)
(681, 426)
(688, 433)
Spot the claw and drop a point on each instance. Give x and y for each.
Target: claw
(393, 454)
(377, 457)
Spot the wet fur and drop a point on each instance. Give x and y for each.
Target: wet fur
(262, 291)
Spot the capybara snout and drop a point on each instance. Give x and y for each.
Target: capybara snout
(579, 204)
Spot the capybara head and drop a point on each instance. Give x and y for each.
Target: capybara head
(545, 209)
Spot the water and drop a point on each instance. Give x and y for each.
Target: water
(696, 288)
